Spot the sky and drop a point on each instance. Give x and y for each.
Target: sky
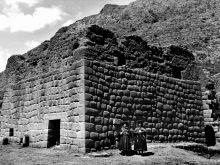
(24, 24)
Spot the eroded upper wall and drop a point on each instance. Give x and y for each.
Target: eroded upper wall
(171, 109)
(96, 43)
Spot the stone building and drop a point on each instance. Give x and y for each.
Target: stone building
(78, 88)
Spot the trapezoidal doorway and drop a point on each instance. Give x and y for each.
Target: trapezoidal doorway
(53, 133)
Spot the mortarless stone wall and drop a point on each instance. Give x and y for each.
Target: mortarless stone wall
(170, 108)
(29, 105)
(93, 99)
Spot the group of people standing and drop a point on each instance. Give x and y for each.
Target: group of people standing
(132, 139)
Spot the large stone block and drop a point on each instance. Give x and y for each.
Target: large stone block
(103, 135)
(89, 127)
(158, 111)
(103, 106)
(126, 92)
(91, 119)
(105, 121)
(91, 111)
(97, 120)
(79, 142)
(209, 111)
(94, 78)
(147, 101)
(98, 128)
(120, 92)
(72, 134)
(92, 90)
(106, 113)
(74, 148)
(99, 93)
(138, 113)
(118, 116)
(83, 135)
(97, 145)
(154, 131)
(88, 70)
(133, 94)
(94, 135)
(105, 128)
(181, 126)
(88, 97)
(167, 107)
(93, 104)
(125, 99)
(205, 107)
(155, 120)
(208, 119)
(113, 97)
(119, 110)
(117, 121)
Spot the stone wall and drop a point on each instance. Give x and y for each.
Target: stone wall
(92, 100)
(208, 115)
(171, 109)
(207, 111)
(29, 105)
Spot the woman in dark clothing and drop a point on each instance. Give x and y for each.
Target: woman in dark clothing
(125, 143)
(140, 143)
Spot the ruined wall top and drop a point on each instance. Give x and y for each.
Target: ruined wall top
(96, 43)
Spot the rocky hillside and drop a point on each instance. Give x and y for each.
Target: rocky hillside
(193, 24)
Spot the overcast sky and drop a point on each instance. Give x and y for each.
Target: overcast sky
(24, 24)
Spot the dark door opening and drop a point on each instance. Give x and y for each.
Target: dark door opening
(177, 72)
(53, 133)
(119, 60)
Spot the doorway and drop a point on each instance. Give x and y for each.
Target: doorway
(119, 60)
(210, 136)
(53, 133)
(177, 72)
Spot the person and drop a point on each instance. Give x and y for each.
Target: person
(140, 143)
(124, 142)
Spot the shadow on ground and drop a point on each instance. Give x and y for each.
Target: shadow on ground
(131, 153)
(147, 154)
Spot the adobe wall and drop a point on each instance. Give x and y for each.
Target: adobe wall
(170, 108)
(31, 103)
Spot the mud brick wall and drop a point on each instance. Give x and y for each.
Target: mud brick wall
(30, 104)
(171, 109)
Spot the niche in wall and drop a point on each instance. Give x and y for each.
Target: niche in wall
(177, 72)
(11, 132)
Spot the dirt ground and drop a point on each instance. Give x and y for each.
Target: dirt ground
(157, 153)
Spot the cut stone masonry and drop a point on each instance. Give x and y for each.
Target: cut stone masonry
(88, 82)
